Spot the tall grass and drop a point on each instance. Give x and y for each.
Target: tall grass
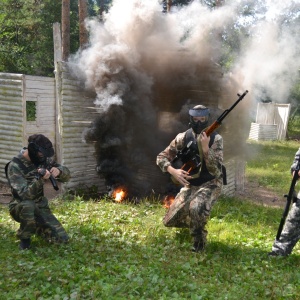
(123, 251)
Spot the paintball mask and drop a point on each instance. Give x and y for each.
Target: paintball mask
(39, 149)
(198, 111)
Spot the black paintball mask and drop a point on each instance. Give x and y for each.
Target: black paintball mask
(39, 149)
(198, 111)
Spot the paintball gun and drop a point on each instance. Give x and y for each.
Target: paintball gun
(189, 156)
(290, 196)
(42, 172)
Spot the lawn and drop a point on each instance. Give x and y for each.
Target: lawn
(123, 251)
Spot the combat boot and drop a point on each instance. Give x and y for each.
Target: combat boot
(24, 244)
(274, 253)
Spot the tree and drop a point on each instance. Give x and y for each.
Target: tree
(65, 29)
(83, 35)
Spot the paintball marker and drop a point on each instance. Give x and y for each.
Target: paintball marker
(290, 196)
(189, 156)
(42, 172)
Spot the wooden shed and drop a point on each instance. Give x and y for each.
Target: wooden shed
(271, 122)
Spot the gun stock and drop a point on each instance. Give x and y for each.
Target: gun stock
(212, 128)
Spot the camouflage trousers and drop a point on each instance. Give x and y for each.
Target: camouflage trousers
(37, 218)
(191, 208)
(290, 234)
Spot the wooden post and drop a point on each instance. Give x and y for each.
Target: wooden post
(57, 60)
(57, 43)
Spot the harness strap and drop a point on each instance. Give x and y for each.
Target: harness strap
(190, 137)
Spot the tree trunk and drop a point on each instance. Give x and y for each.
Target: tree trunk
(101, 9)
(169, 5)
(65, 28)
(83, 34)
(219, 2)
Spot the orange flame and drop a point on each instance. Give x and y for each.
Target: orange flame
(168, 200)
(119, 195)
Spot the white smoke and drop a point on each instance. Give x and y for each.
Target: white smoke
(269, 61)
(137, 39)
(140, 60)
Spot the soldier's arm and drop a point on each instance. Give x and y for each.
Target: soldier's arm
(295, 162)
(64, 174)
(25, 189)
(214, 157)
(165, 157)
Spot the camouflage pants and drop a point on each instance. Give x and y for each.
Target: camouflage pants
(37, 218)
(290, 234)
(191, 209)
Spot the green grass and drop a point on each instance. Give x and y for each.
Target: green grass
(269, 163)
(123, 251)
(294, 127)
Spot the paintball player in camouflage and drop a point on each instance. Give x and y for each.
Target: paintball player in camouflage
(290, 234)
(29, 206)
(192, 205)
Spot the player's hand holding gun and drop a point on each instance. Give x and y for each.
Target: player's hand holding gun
(49, 174)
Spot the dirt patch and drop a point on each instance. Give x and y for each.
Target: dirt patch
(261, 195)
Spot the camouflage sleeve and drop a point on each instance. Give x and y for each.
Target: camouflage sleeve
(296, 160)
(64, 175)
(24, 188)
(214, 157)
(165, 157)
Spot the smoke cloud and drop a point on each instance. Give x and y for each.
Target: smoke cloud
(148, 68)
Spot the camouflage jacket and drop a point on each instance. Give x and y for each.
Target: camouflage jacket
(295, 162)
(26, 184)
(294, 166)
(213, 159)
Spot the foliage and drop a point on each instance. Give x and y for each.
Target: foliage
(30, 110)
(26, 35)
(294, 126)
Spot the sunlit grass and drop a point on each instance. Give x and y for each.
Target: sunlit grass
(269, 163)
(294, 127)
(123, 251)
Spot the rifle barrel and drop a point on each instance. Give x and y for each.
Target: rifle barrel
(218, 122)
